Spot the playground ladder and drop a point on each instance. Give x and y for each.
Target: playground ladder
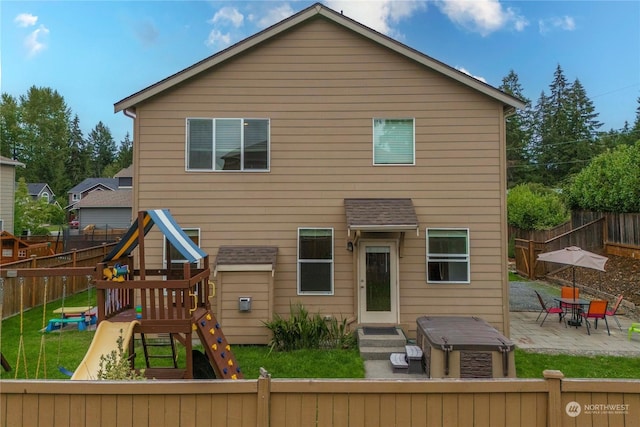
(163, 341)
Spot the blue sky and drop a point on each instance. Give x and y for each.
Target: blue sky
(94, 53)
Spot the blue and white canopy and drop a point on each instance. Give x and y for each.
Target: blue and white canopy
(168, 226)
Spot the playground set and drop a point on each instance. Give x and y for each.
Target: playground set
(160, 306)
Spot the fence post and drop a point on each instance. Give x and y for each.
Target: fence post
(554, 404)
(34, 264)
(74, 263)
(264, 399)
(532, 261)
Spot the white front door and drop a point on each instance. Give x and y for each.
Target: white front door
(378, 281)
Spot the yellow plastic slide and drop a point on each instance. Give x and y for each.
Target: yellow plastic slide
(104, 341)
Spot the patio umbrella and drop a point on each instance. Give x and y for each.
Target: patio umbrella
(575, 257)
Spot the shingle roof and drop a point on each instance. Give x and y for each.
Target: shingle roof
(380, 214)
(125, 173)
(107, 199)
(11, 162)
(36, 188)
(92, 182)
(243, 255)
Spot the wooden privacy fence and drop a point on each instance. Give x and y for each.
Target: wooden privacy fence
(552, 402)
(590, 236)
(33, 287)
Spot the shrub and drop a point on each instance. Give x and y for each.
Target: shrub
(610, 183)
(115, 365)
(535, 207)
(303, 330)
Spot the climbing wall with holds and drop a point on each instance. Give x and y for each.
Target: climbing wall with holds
(217, 347)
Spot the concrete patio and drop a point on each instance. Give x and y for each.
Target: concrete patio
(551, 338)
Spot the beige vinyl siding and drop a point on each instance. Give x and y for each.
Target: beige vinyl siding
(321, 86)
(244, 327)
(7, 193)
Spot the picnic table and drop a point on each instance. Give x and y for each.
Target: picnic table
(81, 315)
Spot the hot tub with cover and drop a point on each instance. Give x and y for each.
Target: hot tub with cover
(464, 347)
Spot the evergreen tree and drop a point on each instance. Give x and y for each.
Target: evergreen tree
(44, 149)
(10, 131)
(566, 129)
(518, 133)
(102, 147)
(583, 128)
(635, 130)
(77, 164)
(125, 152)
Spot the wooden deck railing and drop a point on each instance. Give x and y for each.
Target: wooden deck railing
(163, 296)
(553, 402)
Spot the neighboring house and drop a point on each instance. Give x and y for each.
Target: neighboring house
(7, 192)
(105, 209)
(42, 190)
(125, 178)
(373, 174)
(87, 186)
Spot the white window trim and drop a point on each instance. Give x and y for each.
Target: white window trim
(332, 261)
(165, 243)
(213, 153)
(466, 259)
(373, 142)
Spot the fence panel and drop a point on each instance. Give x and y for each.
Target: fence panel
(320, 403)
(22, 293)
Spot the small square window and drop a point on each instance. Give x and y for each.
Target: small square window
(393, 142)
(315, 261)
(448, 256)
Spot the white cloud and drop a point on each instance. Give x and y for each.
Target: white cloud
(565, 23)
(273, 15)
(381, 15)
(218, 40)
(26, 20)
(464, 70)
(482, 16)
(228, 15)
(34, 41)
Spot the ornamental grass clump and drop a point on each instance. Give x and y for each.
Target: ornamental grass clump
(115, 365)
(303, 330)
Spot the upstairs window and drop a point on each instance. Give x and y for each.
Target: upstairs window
(315, 261)
(227, 144)
(393, 142)
(447, 255)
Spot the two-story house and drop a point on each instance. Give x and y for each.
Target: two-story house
(41, 190)
(7, 192)
(324, 163)
(103, 202)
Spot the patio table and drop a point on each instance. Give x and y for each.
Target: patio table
(576, 305)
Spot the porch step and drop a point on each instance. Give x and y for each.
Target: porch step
(379, 353)
(397, 340)
(380, 347)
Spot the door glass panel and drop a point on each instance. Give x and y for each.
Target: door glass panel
(378, 284)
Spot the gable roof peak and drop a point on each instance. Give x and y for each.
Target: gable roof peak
(317, 9)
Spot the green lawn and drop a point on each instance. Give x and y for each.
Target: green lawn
(66, 349)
